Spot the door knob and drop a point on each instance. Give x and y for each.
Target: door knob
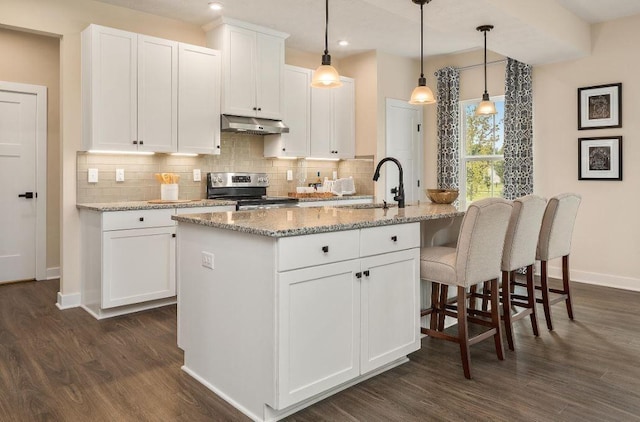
(27, 195)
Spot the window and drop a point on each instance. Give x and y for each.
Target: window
(482, 152)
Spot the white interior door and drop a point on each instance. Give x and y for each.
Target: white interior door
(403, 142)
(18, 212)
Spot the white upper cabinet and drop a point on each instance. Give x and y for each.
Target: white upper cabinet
(129, 91)
(333, 121)
(132, 93)
(252, 68)
(297, 116)
(199, 100)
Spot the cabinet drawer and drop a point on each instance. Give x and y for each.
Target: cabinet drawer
(317, 249)
(396, 237)
(139, 219)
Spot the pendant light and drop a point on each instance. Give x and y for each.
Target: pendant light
(422, 94)
(326, 76)
(486, 106)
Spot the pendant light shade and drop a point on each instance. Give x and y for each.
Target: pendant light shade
(486, 106)
(326, 76)
(422, 94)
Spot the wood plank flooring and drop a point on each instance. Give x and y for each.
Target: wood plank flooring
(66, 366)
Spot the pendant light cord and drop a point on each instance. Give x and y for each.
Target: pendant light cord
(421, 41)
(326, 28)
(485, 62)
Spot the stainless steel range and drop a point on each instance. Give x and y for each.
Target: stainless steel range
(248, 189)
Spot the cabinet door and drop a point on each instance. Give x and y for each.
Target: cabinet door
(344, 139)
(157, 94)
(321, 123)
(199, 100)
(239, 94)
(138, 265)
(269, 74)
(319, 330)
(109, 73)
(390, 307)
(297, 110)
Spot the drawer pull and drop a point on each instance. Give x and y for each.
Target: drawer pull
(325, 249)
(394, 238)
(366, 273)
(141, 218)
(358, 275)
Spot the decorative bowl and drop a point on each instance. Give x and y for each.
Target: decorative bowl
(442, 196)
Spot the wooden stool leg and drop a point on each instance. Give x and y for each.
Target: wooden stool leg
(444, 297)
(565, 285)
(472, 296)
(435, 306)
(463, 334)
(545, 294)
(531, 300)
(485, 299)
(495, 318)
(506, 308)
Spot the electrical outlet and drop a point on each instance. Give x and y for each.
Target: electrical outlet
(196, 175)
(207, 260)
(93, 176)
(119, 175)
(289, 175)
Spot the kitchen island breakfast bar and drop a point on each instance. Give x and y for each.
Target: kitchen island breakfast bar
(279, 308)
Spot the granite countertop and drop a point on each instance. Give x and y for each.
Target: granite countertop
(145, 205)
(283, 222)
(335, 198)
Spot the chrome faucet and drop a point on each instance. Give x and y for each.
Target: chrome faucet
(397, 191)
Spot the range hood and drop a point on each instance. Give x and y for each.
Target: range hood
(251, 125)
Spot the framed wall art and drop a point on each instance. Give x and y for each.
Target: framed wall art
(600, 158)
(600, 106)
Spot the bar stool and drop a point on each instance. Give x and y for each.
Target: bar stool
(555, 242)
(475, 259)
(520, 245)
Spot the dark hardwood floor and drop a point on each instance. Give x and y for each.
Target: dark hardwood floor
(66, 366)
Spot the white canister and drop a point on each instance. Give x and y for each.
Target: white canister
(169, 191)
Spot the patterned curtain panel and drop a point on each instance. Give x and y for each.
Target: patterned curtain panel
(448, 127)
(518, 131)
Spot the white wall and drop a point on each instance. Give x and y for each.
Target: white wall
(605, 242)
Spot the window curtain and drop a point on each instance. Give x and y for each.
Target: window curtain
(448, 127)
(518, 130)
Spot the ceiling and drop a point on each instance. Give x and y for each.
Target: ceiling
(535, 32)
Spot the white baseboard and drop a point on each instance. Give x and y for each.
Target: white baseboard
(68, 301)
(53, 272)
(607, 280)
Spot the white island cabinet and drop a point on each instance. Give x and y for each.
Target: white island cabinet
(278, 323)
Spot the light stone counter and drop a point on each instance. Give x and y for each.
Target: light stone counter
(145, 205)
(284, 222)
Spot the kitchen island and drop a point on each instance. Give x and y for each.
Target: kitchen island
(279, 308)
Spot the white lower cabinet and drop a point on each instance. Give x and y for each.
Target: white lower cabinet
(344, 319)
(129, 259)
(138, 265)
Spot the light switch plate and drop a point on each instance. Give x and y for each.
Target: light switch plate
(196, 175)
(207, 260)
(119, 175)
(93, 176)
(289, 175)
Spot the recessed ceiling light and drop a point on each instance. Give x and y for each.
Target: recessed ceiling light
(215, 6)
(343, 43)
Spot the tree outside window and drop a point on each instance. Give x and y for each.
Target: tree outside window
(482, 152)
